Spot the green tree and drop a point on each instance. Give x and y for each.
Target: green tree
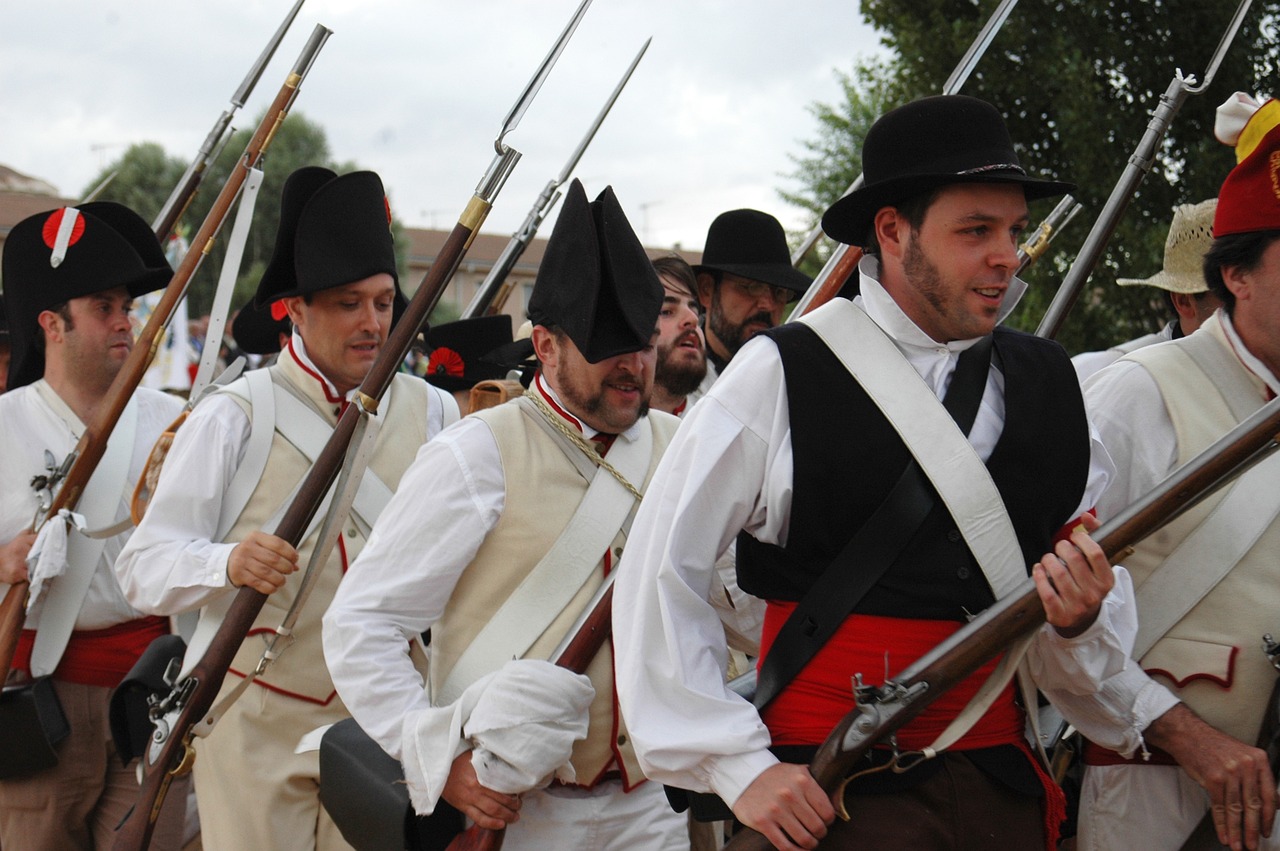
(1077, 81)
(141, 179)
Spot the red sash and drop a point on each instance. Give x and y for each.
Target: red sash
(811, 705)
(97, 657)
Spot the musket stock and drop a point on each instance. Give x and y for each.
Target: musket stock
(1139, 164)
(972, 645)
(93, 443)
(180, 198)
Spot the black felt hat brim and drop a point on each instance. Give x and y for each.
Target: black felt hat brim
(849, 220)
(773, 274)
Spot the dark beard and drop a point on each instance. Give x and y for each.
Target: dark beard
(679, 379)
(729, 333)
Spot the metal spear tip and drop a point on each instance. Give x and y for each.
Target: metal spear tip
(539, 77)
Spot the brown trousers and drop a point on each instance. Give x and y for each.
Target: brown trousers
(960, 808)
(77, 804)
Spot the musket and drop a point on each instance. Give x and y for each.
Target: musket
(182, 194)
(186, 710)
(493, 292)
(1038, 243)
(1140, 163)
(883, 709)
(581, 644)
(959, 75)
(93, 443)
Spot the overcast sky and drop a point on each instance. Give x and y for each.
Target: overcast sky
(417, 91)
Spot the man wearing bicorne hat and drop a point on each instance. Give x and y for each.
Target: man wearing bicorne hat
(1176, 739)
(1182, 279)
(855, 451)
(745, 279)
(497, 540)
(71, 276)
(231, 474)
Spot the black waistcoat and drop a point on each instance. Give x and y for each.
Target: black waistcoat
(847, 456)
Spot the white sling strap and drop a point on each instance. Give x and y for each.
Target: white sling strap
(1225, 536)
(553, 582)
(948, 459)
(99, 505)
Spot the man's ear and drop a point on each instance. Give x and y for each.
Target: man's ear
(293, 305)
(51, 325)
(706, 285)
(891, 231)
(544, 346)
(1237, 280)
(1184, 305)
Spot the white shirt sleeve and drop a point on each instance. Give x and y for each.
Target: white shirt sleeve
(715, 478)
(448, 500)
(171, 563)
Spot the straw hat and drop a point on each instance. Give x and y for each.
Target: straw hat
(1190, 237)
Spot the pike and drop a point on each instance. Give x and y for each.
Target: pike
(213, 143)
(1139, 164)
(883, 709)
(493, 292)
(93, 443)
(187, 710)
(838, 268)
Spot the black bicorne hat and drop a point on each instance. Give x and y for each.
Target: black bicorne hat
(457, 360)
(257, 331)
(58, 255)
(334, 230)
(751, 244)
(595, 281)
(926, 144)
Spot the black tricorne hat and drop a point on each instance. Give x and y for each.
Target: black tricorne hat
(751, 244)
(458, 349)
(58, 255)
(926, 144)
(334, 230)
(595, 281)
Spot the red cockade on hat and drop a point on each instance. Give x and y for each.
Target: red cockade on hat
(445, 361)
(50, 230)
(1249, 200)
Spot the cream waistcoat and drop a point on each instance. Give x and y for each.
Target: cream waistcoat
(1211, 659)
(543, 489)
(301, 671)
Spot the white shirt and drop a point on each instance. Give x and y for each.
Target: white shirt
(1128, 407)
(1087, 364)
(29, 425)
(730, 468)
(173, 564)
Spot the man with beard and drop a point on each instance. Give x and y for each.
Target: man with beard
(231, 473)
(682, 349)
(500, 535)
(885, 462)
(70, 279)
(745, 279)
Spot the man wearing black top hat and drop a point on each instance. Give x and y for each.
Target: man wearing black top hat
(70, 279)
(798, 447)
(498, 538)
(745, 279)
(231, 473)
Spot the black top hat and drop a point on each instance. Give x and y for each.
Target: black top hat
(334, 230)
(751, 244)
(925, 144)
(257, 331)
(595, 282)
(58, 255)
(458, 349)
